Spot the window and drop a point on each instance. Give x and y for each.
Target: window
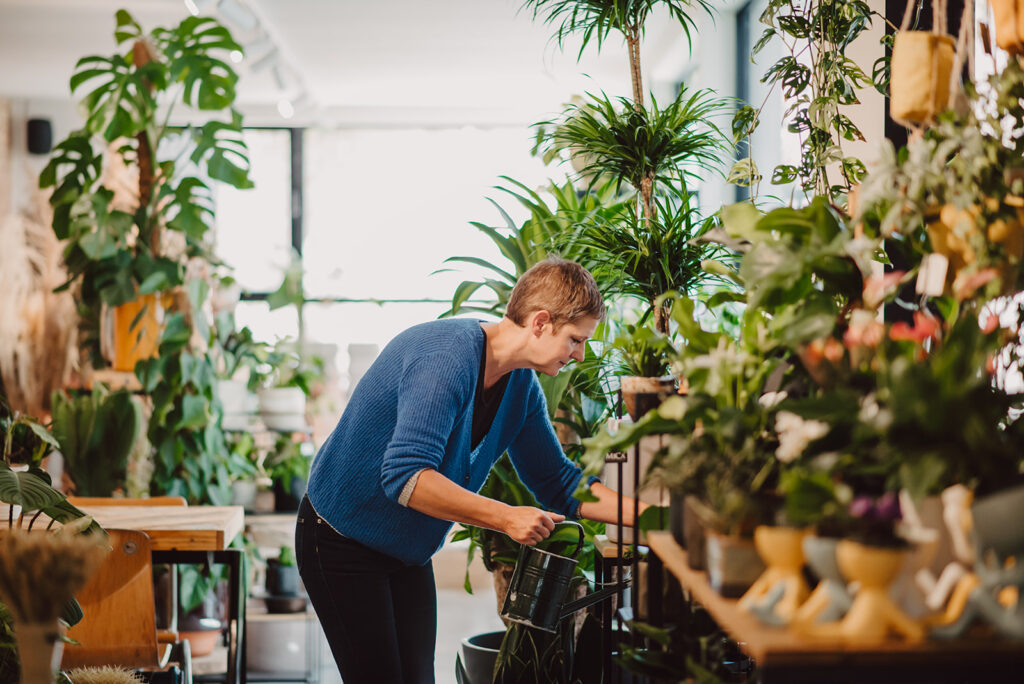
(379, 210)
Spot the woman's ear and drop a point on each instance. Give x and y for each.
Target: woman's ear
(539, 319)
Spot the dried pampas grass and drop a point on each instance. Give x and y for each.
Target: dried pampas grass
(38, 339)
(103, 675)
(41, 571)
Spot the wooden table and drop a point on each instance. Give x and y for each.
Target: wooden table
(783, 656)
(193, 535)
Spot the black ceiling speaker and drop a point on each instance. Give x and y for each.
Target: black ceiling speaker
(40, 136)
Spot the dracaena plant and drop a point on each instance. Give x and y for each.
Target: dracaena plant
(122, 238)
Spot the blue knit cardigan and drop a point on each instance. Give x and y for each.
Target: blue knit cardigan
(413, 410)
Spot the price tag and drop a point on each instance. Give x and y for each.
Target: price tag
(616, 457)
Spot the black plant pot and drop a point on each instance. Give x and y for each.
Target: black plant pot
(475, 665)
(282, 580)
(288, 500)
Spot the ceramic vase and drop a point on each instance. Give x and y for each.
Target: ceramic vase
(40, 649)
(640, 395)
(733, 564)
(830, 599)
(872, 615)
(781, 588)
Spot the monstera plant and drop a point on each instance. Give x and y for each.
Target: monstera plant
(131, 196)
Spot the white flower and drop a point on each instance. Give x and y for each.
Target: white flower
(770, 399)
(872, 414)
(795, 434)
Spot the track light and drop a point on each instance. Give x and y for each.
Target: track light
(262, 62)
(196, 7)
(285, 108)
(277, 71)
(238, 14)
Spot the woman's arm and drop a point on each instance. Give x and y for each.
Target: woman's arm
(606, 508)
(437, 496)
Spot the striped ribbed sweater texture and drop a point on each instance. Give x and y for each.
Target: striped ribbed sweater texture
(413, 410)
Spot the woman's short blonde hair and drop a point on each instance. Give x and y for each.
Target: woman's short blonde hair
(561, 287)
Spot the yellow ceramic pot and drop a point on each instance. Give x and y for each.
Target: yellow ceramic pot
(136, 330)
(781, 549)
(873, 616)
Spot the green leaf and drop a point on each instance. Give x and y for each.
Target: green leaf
(27, 490)
(194, 412)
(740, 220)
(783, 174)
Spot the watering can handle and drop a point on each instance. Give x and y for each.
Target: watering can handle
(579, 528)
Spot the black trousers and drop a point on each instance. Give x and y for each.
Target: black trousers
(379, 615)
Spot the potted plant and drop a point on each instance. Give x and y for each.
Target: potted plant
(127, 240)
(283, 585)
(97, 433)
(288, 467)
(644, 379)
(26, 487)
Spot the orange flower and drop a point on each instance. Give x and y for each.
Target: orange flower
(877, 288)
(966, 285)
(865, 330)
(924, 327)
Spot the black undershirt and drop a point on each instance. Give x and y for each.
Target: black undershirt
(485, 402)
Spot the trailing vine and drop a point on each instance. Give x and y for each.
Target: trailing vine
(817, 80)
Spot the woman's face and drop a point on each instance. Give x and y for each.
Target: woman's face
(553, 349)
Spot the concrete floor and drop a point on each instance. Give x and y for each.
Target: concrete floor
(459, 615)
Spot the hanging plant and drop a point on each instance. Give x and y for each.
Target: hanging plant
(817, 80)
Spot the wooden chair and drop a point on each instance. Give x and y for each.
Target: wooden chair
(119, 627)
(112, 501)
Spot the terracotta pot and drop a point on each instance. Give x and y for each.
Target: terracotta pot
(640, 395)
(781, 549)
(873, 615)
(130, 344)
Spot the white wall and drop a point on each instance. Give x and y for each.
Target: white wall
(24, 168)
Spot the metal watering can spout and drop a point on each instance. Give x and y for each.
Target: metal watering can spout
(540, 582)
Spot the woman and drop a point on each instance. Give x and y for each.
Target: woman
(418, 438)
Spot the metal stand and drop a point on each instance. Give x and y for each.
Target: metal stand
(234, 559)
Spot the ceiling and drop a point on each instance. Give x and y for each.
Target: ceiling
(352, 62)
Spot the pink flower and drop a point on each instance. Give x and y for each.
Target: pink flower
(924, 327)
(865, 330)
(964, 287)
(877, 288)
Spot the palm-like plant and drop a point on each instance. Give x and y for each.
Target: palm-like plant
(647, 259)
(642, 146)
(596, 19)
(546, 231)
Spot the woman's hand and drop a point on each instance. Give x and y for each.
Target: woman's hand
(529, 525)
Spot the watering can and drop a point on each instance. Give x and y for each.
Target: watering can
(536, 594)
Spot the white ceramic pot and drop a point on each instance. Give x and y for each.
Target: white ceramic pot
(235, 397)
(277, 643)
(282, 400)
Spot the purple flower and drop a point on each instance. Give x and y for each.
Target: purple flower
(862, 507)
(886, 507)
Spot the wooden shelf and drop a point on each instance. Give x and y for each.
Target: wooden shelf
(773, 647)
(114, 380)
(609, 549)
